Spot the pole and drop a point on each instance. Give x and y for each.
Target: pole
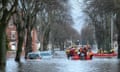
(112, 31)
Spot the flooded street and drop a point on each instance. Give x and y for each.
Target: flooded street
(61, 64)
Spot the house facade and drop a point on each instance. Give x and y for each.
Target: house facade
(13, 40)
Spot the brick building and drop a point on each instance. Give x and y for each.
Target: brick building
(12, 37)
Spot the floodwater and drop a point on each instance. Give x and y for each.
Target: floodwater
(61, 64)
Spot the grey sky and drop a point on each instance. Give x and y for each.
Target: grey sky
(77, 14)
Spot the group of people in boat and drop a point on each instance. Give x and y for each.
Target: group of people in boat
(102, 51)
(83, 53)
(105, 53)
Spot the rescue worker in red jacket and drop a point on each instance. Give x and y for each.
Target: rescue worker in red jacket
(90, 54)
(68, 53)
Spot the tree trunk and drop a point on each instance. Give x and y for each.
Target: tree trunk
(41, 45)
(119, 45)
(28, 47)
(118, 28)
(19, 46)
(2, 46)
(46, 39)
(45, 45)
(45, 42)
(61, 46)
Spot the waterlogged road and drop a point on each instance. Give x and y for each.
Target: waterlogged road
(61, 64)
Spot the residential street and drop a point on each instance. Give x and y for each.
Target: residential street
(59, 63)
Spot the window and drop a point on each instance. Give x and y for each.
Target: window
(13, 35)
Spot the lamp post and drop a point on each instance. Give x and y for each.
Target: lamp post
(112, 31)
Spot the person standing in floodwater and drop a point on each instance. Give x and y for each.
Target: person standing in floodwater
(68, 53)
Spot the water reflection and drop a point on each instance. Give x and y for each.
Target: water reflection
(118, 67)
(2, 69)
(64, 65)
(19, 67)
(98, 65)
(13, 66)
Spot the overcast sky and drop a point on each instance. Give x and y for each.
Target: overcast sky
(77, 14)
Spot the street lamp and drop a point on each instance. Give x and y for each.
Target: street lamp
(112, 29)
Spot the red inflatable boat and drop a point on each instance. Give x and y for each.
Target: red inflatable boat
(105, 55)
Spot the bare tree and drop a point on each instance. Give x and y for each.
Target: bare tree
(117, 9)
(47, 18)
(87, 34)
(100, 14)
(108, 7)
(30, 10)
(55, 24)
(7, 8)
(20, 27)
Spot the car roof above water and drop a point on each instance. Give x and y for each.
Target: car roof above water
(45, 52)
(34, 52)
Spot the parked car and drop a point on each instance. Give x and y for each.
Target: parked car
(46, 55)
(34, 55)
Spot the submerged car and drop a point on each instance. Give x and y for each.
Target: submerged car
(34, 55)
(46, 55)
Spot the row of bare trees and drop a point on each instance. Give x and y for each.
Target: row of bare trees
(101, 14)
(87, 35)
(7, 8)
(56, 26)
(49, 17)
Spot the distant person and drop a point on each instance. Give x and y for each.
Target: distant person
(90, 54)
(68, 53)
(100, 51)
(112, 50)
(72, 51)
(80, 51)
(85, 50)
(82, 55)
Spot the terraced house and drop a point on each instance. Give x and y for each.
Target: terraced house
(12, 37)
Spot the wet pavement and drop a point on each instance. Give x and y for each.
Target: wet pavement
(61, 64)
